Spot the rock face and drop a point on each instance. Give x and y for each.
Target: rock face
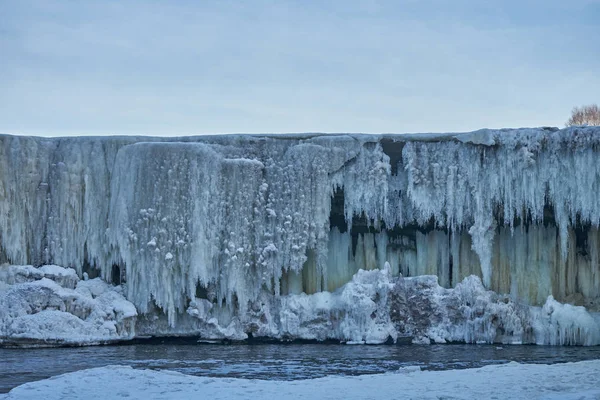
(229, 235)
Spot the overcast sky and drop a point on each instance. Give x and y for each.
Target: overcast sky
(195, 67)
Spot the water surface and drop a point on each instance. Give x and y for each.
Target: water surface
(272, 361)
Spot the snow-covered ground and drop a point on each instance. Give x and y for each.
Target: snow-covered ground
(579, 380)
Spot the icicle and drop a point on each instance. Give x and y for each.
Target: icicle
(241, 214)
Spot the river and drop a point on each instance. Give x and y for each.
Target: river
(272, 361)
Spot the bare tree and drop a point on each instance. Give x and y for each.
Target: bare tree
(585, 115)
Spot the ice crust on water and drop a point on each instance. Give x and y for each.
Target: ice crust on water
(51, 306)
(564, 381)
(236, 220)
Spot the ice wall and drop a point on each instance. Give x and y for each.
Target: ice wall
(229, 218)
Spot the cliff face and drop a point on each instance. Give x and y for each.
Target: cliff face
(227, 220)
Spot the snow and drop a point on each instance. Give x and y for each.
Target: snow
(50, 306)
(508, 381)
(244, 221)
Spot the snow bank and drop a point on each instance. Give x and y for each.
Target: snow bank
(50, 306)
(508, 381)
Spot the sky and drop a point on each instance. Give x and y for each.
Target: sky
(102, 67)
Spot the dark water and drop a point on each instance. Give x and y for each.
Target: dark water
(273, 361)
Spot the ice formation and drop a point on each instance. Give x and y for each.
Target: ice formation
(202, 232)
(50, 306)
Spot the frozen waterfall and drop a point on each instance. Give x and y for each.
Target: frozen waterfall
(222, 233)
